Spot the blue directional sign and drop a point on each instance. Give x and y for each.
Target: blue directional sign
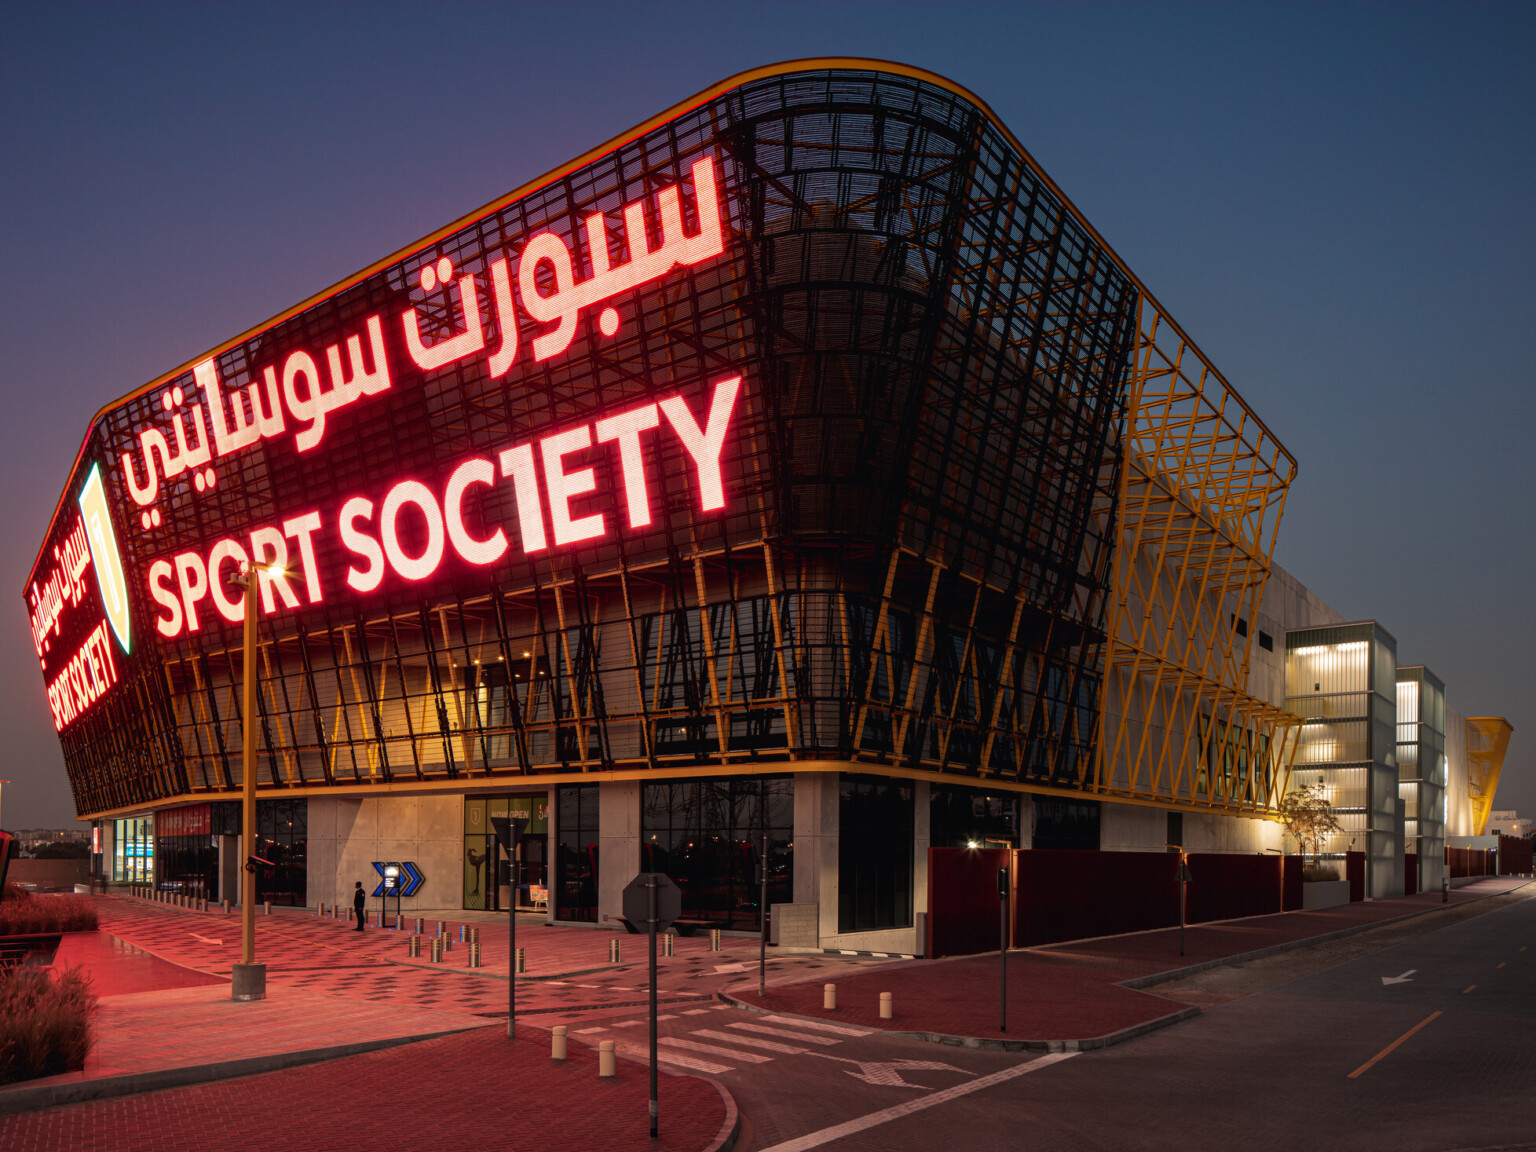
(406, 876)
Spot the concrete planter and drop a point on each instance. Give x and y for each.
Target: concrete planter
(1325, 894)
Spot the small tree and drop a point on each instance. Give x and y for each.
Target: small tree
(1307, 816)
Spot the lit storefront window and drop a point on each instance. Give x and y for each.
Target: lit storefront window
(133, 851)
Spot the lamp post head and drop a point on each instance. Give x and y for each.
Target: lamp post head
(242, 578)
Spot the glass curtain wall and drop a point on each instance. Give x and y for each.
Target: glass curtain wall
(875, 844)
(282, 835)
(1342, 681)
(969, 817)
(133, 851)
(707, 836)
(576, 852)
(1421, 770)
(484, 859)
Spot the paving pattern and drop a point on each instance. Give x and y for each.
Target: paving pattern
(472, 1090)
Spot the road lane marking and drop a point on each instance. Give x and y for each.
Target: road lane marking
(712, 1049)
(1468, 988)
(1522, 947)
(635, 1052)
(695, 1011)
(1403, 979)
(804, 1038)
(1366, 1067)
(819, 1026)
(750, 1042)
(1501, 964)
(885, 1115)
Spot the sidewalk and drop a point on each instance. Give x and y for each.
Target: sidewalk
(472, 1090)
(393, 1050)
(1080, 993)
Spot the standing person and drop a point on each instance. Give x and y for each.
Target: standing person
(357, 904)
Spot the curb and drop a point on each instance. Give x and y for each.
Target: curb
(730, 1127)
(995, 1044)
(1156, 978)
(24, 1099)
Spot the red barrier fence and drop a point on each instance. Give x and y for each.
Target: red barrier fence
(1514, 856)
(1063, 895)
(1410, 873)
(1462, 862)
(962, 904)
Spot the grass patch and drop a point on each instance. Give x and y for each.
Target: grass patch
(45, 1022)
(32, 914)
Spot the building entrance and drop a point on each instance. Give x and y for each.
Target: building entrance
(488, 872)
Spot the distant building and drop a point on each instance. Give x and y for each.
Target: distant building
(1507, 823)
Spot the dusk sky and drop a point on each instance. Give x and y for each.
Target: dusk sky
(1337, 202)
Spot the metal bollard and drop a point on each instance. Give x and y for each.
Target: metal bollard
(522, 960)
(886, 1006)
(714, 939)
(474, 955)
(418, 926)
(226, 907)
(442, 927)
(269, 907)
(463, 933)
(447, 942)
(557, 1042)
(437, 949)
(413, 947)
(607, 1062)
(829, 996)
(667, 939)
(474, 935)
(613, 950)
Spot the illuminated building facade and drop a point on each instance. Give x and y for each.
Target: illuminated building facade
(800, 469)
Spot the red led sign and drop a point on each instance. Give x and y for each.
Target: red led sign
(408, 532)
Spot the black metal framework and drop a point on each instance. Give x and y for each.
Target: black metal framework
(913, 565)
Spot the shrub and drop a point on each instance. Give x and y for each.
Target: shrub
(47, 914)
(15, 892)
(45, 1022)
(1314, 873)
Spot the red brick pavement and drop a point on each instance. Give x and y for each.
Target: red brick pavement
(473, 1090)
(1071, 991)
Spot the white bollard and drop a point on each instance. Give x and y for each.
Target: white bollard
(886, 1006)
(557, 1042)
(829, 996)
(607, 1062)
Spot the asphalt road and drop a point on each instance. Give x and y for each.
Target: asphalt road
(1442, 1058)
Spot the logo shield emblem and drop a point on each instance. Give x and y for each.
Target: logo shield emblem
(104, 556)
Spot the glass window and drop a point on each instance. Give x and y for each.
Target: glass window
(282, 836)
(1071, 825)
(707, 836)
(874, 854)
(576, 856)
(963, 817)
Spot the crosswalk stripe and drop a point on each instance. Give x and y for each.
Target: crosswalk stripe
(635, 1052)
(820, 1026)
(695, 1011)
(712, 1049)
(711, 1034)
(824, 1041)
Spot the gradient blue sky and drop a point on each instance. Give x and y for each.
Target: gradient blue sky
(1336, 201)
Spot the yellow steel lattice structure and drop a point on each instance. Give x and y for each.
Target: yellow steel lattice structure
(1203, 485)
(1487, 741)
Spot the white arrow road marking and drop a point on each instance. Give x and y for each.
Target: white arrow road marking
(204, 939)
(885, 1115)
(1403, 979)
(888, 1072)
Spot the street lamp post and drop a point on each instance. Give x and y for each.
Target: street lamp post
(249, 980)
